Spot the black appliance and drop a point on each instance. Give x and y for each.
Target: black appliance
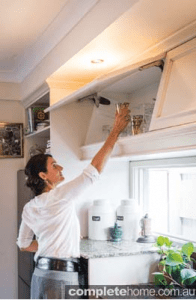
(25, 259)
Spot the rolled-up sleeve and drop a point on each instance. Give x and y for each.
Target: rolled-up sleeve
(25, 236)
(92, 173)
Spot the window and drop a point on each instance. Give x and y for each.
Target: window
(166, 189)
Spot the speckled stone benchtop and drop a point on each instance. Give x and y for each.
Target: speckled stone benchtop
(97, 249)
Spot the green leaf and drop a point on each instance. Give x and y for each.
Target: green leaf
(187, 273)
(188, 249)
(160, 240)
(176, 275)
(186, 259)
(189, 281)
(174, 259)
(159, 279)
(162, 262)
(168, 242)
(168, 270)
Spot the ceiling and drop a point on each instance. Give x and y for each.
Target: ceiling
(30, 30)
(24, 23)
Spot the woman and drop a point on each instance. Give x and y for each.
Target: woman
(51, 216)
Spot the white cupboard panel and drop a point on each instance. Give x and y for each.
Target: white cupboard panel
(181, 91)
(122, 270)
(176, 98)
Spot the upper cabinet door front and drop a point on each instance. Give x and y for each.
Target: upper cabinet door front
(176, 98)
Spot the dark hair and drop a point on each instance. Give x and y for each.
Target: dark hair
(36, 164)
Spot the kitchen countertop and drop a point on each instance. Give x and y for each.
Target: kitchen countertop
(99, 249)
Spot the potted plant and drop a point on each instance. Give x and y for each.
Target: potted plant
(176, 264)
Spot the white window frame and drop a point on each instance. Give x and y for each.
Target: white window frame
(136, 189)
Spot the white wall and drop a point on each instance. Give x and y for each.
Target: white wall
(10, 111)
(10, 91)
(69, 126)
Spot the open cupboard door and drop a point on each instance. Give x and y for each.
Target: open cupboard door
(113, 79)
(176, 99)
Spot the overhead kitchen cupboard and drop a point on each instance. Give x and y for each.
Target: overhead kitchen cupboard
(136, 84)
(172, 130)
(170, 135)
(138, 89)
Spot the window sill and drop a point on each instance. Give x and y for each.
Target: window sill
(178, 240)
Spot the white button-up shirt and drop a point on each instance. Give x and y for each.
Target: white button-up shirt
(52, 217)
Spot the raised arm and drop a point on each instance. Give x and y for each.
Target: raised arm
(122, 119)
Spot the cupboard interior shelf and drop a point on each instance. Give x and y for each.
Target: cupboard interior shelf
(40, 133)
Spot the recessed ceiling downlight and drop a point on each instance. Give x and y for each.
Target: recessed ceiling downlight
(97, 61)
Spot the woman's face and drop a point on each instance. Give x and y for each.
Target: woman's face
(54, 172)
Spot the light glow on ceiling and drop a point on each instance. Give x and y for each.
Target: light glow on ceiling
(97, 61)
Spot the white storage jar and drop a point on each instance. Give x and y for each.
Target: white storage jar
(128, 216)
(101, 216)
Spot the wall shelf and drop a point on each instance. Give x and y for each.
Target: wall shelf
(45, 132)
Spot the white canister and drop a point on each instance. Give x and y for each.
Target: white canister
(128, 216)
(101, 216)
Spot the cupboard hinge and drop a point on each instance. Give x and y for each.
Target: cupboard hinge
(96, 99)
(158, 63)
